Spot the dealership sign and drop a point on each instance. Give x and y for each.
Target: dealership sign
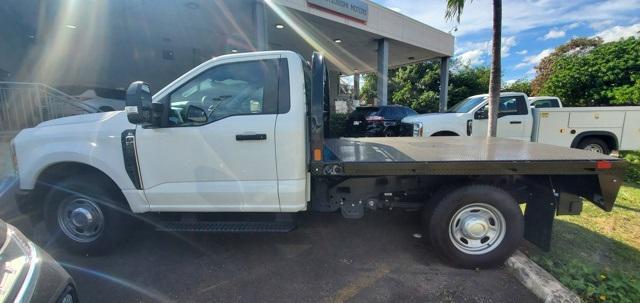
(354, 9)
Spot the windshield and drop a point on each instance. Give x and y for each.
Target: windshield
(466, 105)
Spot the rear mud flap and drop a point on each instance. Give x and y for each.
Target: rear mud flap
(538, 223)
(539, 215)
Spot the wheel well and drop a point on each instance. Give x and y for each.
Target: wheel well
(60, 171)
(609, 138)
(444, 133)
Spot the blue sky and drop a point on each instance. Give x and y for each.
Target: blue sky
(531, 28)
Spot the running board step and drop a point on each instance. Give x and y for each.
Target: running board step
(228, 227)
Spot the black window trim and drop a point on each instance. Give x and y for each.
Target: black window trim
(283, 91)
(523, 107)
(553, 102)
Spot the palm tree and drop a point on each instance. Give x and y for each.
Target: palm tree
(454, 10)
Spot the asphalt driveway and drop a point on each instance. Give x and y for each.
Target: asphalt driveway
(326, 259)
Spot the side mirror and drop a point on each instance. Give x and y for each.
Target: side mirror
(481, 114)
(196, 114)
(138, 103)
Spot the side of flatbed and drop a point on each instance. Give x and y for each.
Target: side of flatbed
(405, 172)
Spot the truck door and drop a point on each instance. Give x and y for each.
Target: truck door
(513, 119)
(217, 152)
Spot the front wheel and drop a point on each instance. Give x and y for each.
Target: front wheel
(86, 214)
(475, 226)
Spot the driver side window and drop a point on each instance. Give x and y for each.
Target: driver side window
(242, 88)
(507, 106)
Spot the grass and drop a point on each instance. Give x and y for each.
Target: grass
(597, 254)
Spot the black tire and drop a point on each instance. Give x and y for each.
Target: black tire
(596, 142)
(445, 205)
(103, 195)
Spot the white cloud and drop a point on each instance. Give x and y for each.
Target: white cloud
(473, 53)
(554, 34)
(522, 52)
(600, 25)
(534, 59)
(507, 44)
(619, 32)
(472, 57)
(573, 25)
(519, 15)
(509, 82)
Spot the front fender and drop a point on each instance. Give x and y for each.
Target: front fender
(30, 171)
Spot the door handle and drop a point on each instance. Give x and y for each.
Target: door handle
(515, 122)
(255, 137)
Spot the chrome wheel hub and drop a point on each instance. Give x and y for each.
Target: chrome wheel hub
(477, 228)
(594, 148)
(80, 219)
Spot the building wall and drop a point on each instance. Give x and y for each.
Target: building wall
(112, 43)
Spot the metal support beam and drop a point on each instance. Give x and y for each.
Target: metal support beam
(334, 88)
(444, 83)
(262, 42)
(356, 86)
(383, 71)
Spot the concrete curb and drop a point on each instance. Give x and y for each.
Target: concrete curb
(541, 283)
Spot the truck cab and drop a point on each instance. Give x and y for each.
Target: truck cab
(234, 110)
(470, 118)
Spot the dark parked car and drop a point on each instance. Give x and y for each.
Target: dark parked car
(28, 274)
(377, 121)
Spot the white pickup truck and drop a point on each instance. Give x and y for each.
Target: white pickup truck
(238, 145)
(599, 129)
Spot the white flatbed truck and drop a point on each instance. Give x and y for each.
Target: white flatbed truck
(537, 119)
(245, 134)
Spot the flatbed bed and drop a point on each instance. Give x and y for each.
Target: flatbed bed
(456, 156)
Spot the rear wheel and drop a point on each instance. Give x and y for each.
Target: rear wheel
(595, 145)
(475, 226)
(86, 214)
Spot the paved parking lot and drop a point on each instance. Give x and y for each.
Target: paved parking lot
(326, 259)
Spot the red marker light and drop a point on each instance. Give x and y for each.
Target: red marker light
(603, 164)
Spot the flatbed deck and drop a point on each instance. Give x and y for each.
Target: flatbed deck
(457, 155)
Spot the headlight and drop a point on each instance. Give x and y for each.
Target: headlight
(418, 130)
(19, 265)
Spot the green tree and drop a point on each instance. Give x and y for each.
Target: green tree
(544, 69)
(522, 86)
(368, 89)
(416, 86)
(466, 81)
(608, 74)
(454, 10)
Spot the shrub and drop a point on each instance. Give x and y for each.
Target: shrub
(633, 171)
